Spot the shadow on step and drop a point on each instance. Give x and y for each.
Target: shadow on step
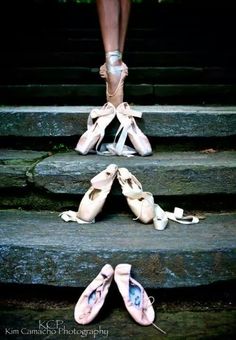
(220, 295)
(159, 144)
(36, 199)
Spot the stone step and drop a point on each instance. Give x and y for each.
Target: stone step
(172, 32)
(205, 57)
(157, 121)
(141, 40)
(156, 14)
(148, 40)
(163, 174)
(71, 14)
(39, 248)
(185, 320)
(94, 94)
(135, 31)
(138, 75)
(170, 25)
(14, 166)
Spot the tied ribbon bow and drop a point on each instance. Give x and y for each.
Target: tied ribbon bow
(125, 109)
(126, 121)
(106, 110)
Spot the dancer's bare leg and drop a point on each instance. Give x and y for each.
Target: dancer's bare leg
(109, 13)
(113, 18)
(124, 19)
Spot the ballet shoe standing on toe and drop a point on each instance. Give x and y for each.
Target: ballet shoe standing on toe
(143, 206)
(95, 131)
(93, 297)
(135, 297)
(116, 97)
(141, 203)
(94, 199)
(128, 127)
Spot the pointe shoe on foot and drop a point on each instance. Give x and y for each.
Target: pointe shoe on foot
(94, 199)
(117, 96)
(141, 203)
(128, 127)
(95, 131)
(93, 297)
(135, 297)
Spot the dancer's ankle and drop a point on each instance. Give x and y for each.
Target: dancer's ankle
(114, 62)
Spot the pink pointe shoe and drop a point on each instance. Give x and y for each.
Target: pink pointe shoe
(143, 206)
(135, 297)
(95, 131)
(94, 199)
(118, 95)
(141, 203)
(93, 297)
(128, 127)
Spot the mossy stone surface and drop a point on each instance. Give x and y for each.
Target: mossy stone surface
(15, 165)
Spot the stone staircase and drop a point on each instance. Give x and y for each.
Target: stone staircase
(182, 77)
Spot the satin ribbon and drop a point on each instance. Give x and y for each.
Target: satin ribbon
(107, 110)
(119, 148)
(160, 217)
(71, 216)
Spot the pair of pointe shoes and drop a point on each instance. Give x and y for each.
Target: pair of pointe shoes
(135, 297)
(141, 203)
(99, 119)
(128, 128)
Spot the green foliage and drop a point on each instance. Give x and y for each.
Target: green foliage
(60, 148)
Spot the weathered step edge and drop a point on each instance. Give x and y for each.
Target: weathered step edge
(15, 164)
(38, 248)
(157, 121)
(164, 173)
